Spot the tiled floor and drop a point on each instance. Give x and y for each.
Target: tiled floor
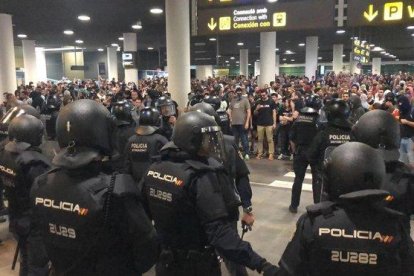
(274, 224)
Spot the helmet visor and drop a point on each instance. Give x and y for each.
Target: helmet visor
(168, 110)
(212, 144)
(11, 114)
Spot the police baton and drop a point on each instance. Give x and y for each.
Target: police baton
(16, 254)
(245, 228)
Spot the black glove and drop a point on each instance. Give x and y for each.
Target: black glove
(268, 269)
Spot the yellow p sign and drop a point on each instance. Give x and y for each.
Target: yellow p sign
(393, 11)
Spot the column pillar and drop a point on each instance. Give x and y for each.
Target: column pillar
(112, 63)
(376, 66)
(8, 81)
(337, 59)
(203, 72)
(267, 57)
(41, 74)
(29, 60)
(256, 68)
(311, 63)
(178, 49)
(277, 70)
(244, 62)
(130, 45)
(353, 65)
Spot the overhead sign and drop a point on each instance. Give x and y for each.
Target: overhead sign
(267, 17)
(380, 12)
(129, 60)
(361, 51)
(223, 3)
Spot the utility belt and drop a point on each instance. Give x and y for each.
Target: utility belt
(204, 257)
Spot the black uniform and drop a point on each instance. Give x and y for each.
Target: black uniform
(303, 130)
(19, 166)
(224, 122)
(141, 149)
(344, 239)
(93, 224)
(239, 175)
(50, 114)
(333, 135)
(185, 199)
(123, 132)
(353, 234)
(400, 185)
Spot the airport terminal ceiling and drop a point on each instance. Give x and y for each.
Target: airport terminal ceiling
(45, 21)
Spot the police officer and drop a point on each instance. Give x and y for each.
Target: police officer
(303, 130)
(21, 161)
(145, 144)
(91, 223)
(50, 112)
(189, 199)
(169, 114)
(125, 128)
(238, 172)
(381, 131)
(336, 132)
(4, 139)
(353, 234)
(224, 122)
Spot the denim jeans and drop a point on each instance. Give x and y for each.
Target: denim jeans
(406, 151)
(240, 133)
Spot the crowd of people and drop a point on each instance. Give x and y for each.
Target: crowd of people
(266, 114)
(140, 180)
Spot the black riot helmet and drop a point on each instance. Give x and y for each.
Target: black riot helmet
(380, 130)
(313, 101)
(214, 101)
(26, 129)
(198, 134)
(166, 106)
(337, 112)
(207, 109)
(149, 121)
(122, 111)
(149, 116)
(352, 168)
(16, 112)
(87, 125)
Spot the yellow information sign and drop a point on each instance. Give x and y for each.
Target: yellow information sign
(225, 23)
(393, 11)
(279, 19)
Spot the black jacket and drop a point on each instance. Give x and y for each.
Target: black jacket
(349, 238)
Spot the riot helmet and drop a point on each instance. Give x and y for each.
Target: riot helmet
(83, 127)
(122, 111)
(207, 109)
(214, 101)
(166, 106)
(198, 134)
(380, 130)
(26, 129)
(337, 112)
(308, 111)
(351, 168)
(313, 101)
(16, 112)
(149, 121)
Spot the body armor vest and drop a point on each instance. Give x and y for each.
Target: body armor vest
(81, 238)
